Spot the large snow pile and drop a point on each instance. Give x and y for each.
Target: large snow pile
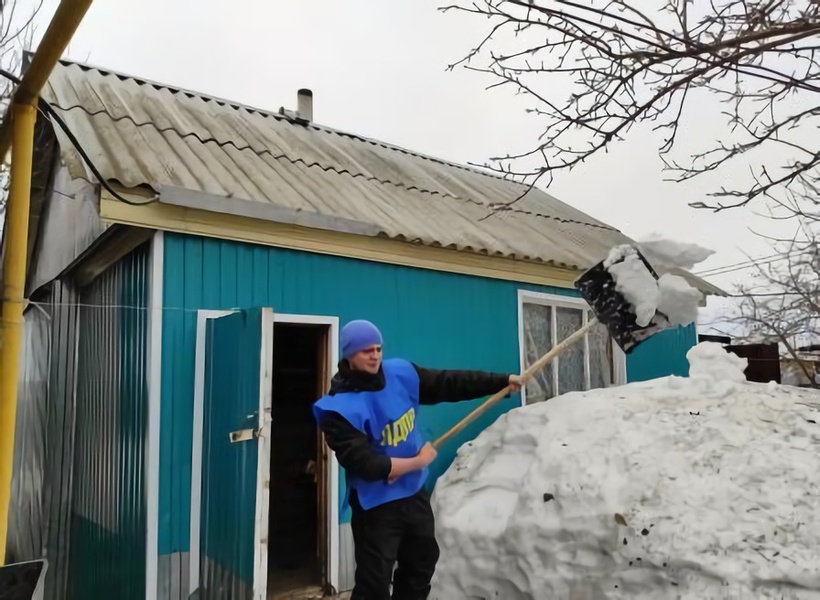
(698, 488)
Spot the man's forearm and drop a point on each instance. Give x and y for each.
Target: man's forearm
(353, 450)
(355, 455)
(403, 466)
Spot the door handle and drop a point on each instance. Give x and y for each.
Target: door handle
(245, 435)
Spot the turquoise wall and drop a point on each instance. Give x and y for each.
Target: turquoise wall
(436, 319)
(661, 355)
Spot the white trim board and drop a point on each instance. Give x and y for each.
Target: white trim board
(196, 462)
(154, 376)
(556, 301)
(260, 546)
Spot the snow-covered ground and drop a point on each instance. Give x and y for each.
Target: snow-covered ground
(699, 488)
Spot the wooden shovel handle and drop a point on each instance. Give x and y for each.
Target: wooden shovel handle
(525, 377)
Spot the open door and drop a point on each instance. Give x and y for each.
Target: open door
(298, 539)
(236, 455)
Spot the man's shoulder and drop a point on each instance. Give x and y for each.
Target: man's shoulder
(396, 363)
(400, 367)
(404, 372)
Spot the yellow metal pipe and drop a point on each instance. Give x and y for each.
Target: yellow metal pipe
(63, 24)
(14, 276)
(23, 113)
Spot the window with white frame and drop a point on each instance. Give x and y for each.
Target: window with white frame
(594, 362)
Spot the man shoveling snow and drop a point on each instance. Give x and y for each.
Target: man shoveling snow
(695, 488)
(369, 421)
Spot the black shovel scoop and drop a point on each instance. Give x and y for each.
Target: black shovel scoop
(611, 308)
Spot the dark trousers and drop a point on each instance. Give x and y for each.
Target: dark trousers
(400, 532)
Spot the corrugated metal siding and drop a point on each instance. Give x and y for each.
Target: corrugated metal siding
(109, 502)
(41, 487)
(26, 522)
(149, 134)
(437, 319)
(662, 355)
(60, 451)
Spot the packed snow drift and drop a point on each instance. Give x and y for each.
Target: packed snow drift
(698, 488)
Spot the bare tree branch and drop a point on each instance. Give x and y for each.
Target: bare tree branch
(16, 34)
(781, 302)
(595, 70)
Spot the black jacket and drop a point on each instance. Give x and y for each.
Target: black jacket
(354, 451)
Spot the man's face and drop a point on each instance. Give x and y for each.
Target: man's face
(368, 360)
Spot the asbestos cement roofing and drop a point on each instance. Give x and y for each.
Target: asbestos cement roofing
(142, 133)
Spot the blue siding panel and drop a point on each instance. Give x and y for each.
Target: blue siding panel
(662, 355)
(436, 319)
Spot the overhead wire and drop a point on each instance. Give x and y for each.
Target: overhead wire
(739, 267)
(49, 112)
(749, 261)
(766, 260)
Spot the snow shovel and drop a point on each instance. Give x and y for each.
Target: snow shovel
(611, 309)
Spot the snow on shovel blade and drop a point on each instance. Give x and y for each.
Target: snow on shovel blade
(597, 286)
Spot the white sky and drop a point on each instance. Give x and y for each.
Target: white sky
(377, 68)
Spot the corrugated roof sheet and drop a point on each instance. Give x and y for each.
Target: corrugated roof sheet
(144, 133)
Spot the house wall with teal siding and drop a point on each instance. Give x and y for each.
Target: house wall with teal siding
(436, 319)
(661, 355)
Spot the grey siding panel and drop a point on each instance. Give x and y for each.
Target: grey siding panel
(26, 517)
(347, 558)
(172, 576)
(70, 223)
(108, 528)
(221, 584)
(60, 451)
(164, 569)
(41, 485)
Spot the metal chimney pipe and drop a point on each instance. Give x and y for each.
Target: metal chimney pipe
(304, 104)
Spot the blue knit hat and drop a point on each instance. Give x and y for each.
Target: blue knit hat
(358, 335)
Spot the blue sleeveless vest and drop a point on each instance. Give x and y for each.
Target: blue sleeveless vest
(388, 418)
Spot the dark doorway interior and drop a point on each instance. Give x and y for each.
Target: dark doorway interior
(297, 537)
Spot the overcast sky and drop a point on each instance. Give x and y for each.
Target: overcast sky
(378, 68)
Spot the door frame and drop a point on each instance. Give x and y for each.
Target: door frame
(154, 381)
(331, 470)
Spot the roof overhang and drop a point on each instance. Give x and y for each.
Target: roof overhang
(197, 213)
(706, 288)
(206, 215)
